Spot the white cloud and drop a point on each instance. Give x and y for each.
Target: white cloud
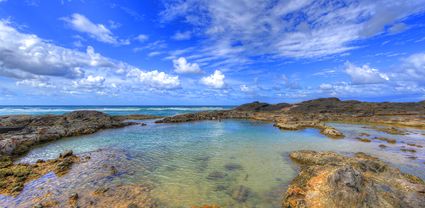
(182, 35)
(99, 32)
(155, 79)
(364, 74)
(91, 81)
(245, 88)
(294, 28)
(142, 38)
(182, 66)
(28, 54)
(33, 61)
(413, 67)
(215, 80)
(154, 53)
(35, 83)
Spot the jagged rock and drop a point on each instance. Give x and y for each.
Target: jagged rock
(328, 179)
(38, 129)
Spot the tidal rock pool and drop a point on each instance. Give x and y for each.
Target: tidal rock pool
(232, 163)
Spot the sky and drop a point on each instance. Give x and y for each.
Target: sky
(202, 52)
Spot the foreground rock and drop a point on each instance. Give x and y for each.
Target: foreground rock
(328, 179)
(13, 177)
(20, 132)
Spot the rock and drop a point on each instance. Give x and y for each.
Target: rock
(331, 132)
(132, 206)
(241, 193)
(13, 177)
(5, 161)
(407, 150)
(143, 124)
(390, 130)
(43, 128)
(73, 200)
(216, 175)
(40, 161)
(415, 145)
(363, 139)
(382, 146)
(389, 141)
(327, 179)
(257, 106)
(66, 154)
(364, 134)
(233, 166)
(113, 170)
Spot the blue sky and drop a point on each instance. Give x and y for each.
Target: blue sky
(210, 52)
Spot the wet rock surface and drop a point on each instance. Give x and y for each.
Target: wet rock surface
(20, 132)
(327, 179)
(89, 183)
(13, 177)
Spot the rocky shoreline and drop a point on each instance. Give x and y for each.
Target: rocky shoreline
(315, 113)
(20, 132)
(326, 179)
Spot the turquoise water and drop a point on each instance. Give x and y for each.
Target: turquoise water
(112, 110)
(207, 162)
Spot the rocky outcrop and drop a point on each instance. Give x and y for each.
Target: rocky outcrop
(208, 115)
(13, 177)
(313, 112)
(20, 132)
(257, 106)
(324, 129)
(327, 179)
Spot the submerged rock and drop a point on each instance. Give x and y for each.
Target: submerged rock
(390, 130)
(216, 175)
(241, 193)
(389, 141)
(328, 179)
(233, 166)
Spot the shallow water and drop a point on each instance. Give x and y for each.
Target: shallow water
(233, 163)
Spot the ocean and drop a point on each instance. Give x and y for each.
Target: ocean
(112, 110)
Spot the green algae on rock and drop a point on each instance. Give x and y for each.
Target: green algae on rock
(15, 176)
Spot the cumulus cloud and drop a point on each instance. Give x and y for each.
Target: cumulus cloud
(215, 80)
(182, 66)
(294, 28)
(91, 81)
(99, 32)
(32, 61)
(155, 79)
(25, 54)
(364, 74)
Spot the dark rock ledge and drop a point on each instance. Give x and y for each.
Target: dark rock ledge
(18, 133)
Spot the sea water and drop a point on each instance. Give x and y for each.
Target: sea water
(112, 110)
(206, 162)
